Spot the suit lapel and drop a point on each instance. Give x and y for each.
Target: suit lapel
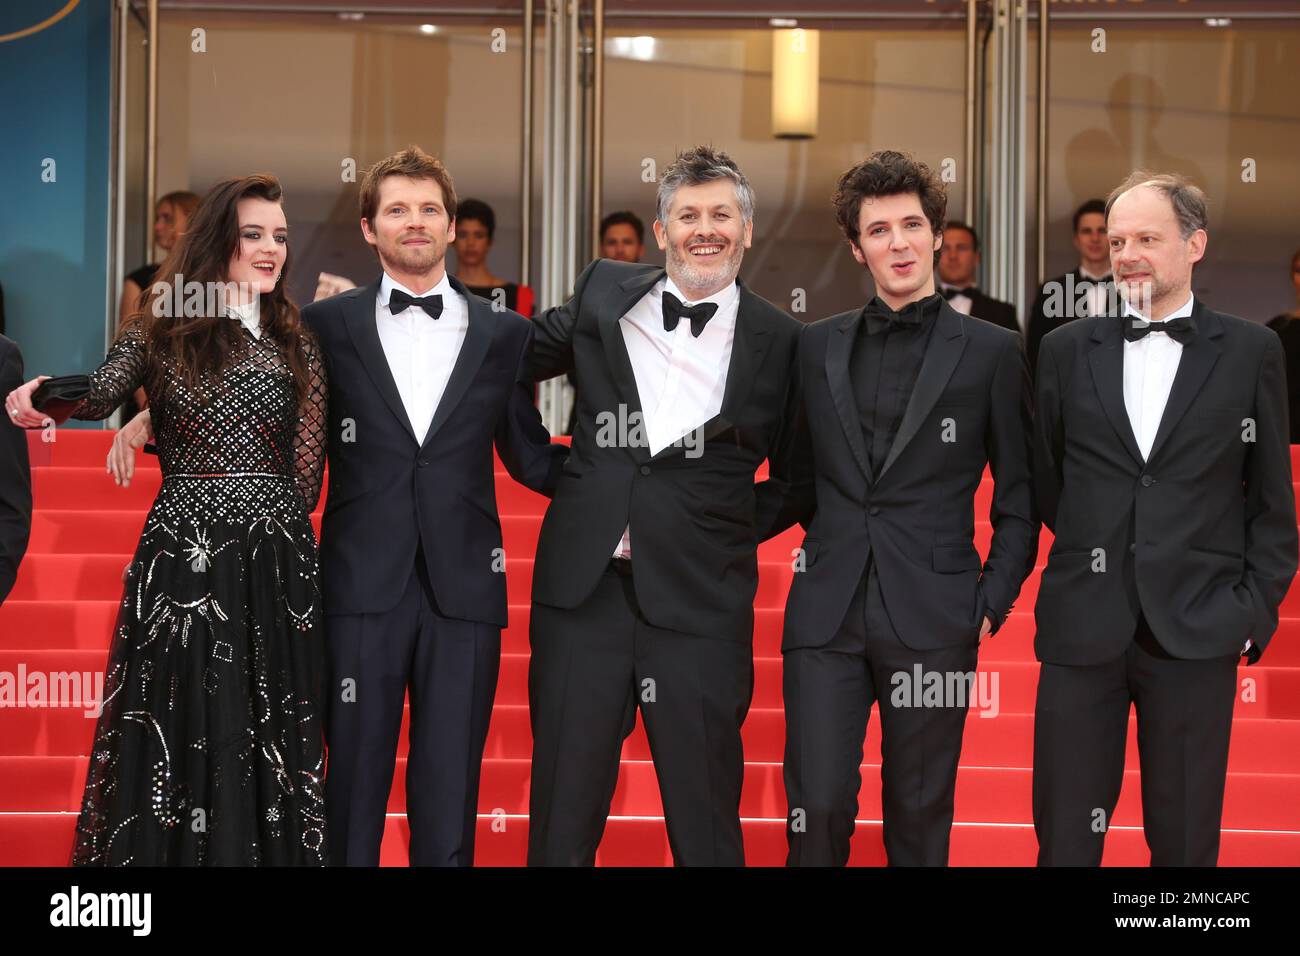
(1194, 365)
(359, 318)
(621, 299)
(947, 342)
(1106, 361)
(478, 336)
(838, 352)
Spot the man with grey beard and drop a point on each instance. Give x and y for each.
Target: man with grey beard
(647, 565)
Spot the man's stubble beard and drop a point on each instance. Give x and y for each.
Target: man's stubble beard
(697, 279)
(414, 262)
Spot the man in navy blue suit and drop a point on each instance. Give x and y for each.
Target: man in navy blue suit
(424, 379)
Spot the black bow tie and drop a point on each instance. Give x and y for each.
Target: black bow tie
(949, 291)
(399, 300)
(881, 318)
(674, 312)
(1179, 329)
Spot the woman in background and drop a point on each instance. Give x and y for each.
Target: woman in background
(476, 224)
(209, 748)
(171, 218)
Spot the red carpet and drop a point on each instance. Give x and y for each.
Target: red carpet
(85, 529)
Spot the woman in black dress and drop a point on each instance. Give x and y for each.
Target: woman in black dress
(209, 749)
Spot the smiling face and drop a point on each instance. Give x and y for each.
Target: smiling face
(1090, 240)
(1151, 261)
(958, 259)
(472, 243)
(705, 238)
(897, 245)
(411, 229)
(263, 246)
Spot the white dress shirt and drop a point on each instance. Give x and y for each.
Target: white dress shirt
(421, 352)
(960, 302)
(1150, 365)
(1095, 296)
(680, 379)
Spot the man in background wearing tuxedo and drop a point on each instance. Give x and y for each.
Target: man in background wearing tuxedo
(647, 566)
(1081, 292)
(959, 260)
(907, 400)
(15, 476)
(1164, 471)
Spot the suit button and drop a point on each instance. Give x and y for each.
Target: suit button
(645, 469)
(1132, 549)
(424, 462)
(1147, 481)
(874, 510)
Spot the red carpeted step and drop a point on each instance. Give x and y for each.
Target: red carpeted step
(1002, 686)
(98, 577)
(86, 625)
(984, 794)
(37, 839)
(1259, 743)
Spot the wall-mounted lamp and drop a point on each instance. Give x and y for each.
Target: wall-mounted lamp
(794, 83)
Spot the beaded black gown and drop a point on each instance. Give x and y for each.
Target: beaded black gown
(209, 748)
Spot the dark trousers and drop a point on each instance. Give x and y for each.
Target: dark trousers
(1184, 719)
(829, 691)
(591, 668)
(450, 669)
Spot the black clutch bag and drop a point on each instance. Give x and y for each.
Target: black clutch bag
(59, 397)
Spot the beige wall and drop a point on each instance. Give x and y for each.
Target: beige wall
(296, 98)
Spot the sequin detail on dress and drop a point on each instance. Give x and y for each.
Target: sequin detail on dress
(209, 750)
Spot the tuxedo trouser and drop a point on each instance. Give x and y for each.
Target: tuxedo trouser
(1184, 719)
(450, 669)
(829, 691)
(591, 668)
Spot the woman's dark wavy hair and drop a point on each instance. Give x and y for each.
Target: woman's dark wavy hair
(208, 344)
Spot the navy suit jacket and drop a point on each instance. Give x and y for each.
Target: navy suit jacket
(393, 495)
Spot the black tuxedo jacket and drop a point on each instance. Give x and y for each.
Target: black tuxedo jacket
(1201, 537)
(1002, 314)
(970, 406)
(695, 521)
(1065, 303)
(15, 476)
(391, 493)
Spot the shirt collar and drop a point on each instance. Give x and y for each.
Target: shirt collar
(1184, 310)
(387, 284)
(723, 297)
(1083, 271)
(248, 315)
